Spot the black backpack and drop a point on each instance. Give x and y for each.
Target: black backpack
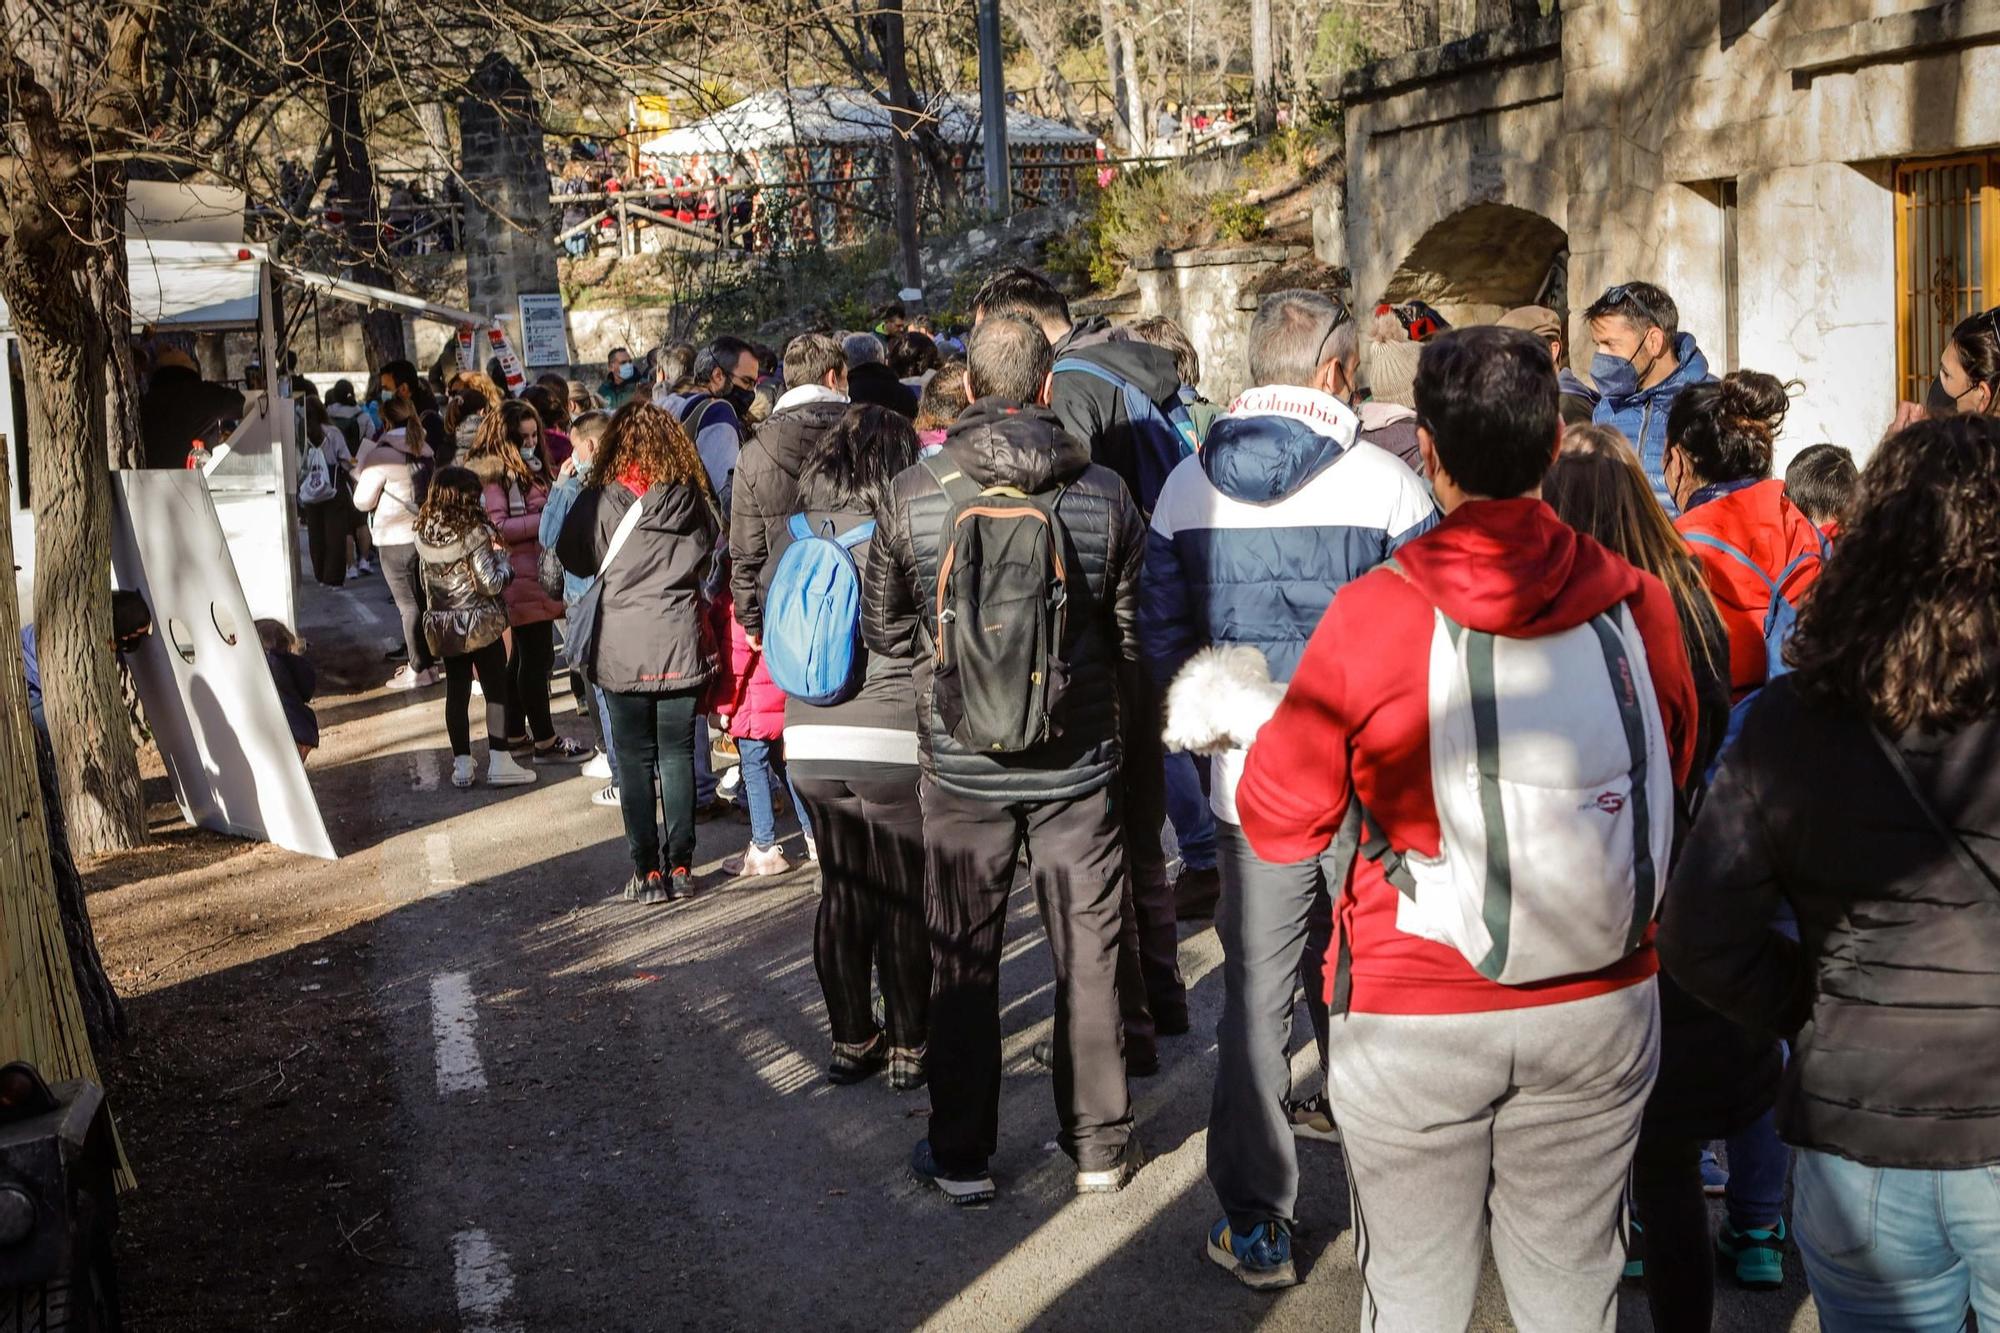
(1002, 606)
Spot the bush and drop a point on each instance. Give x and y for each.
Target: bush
(1236, 220)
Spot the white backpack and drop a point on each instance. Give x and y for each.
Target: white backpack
(1555, 800)
(315, 476)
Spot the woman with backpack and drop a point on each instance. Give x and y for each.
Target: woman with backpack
(645, 529)
(465, 573)
(390, 485)
(854, 766)
(507, 456)
(325, 496)
(1863, 795)
(1716, 1079)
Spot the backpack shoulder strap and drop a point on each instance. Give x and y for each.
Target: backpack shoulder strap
(1734, 553)
(1611, 631)
(619, 534)
(951, 479)
(1961, 852)
(855, 535)
(799, 527)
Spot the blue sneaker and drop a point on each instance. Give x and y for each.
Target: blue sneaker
(1261, 1260)
(1635, 1255)
(1756, 1258)
(962, 1189)
(1714, 1176)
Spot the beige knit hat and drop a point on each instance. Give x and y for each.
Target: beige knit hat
(1389, 363)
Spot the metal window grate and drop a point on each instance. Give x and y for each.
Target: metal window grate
(1942, 259)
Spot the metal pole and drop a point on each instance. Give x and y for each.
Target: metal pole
(993, 109)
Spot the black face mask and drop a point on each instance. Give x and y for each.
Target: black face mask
(1939, 402)
(739, 398)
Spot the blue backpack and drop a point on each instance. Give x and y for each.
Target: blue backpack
(812, 615)
(1778, 623)
(1163, 435)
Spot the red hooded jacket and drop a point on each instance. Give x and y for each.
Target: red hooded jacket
(1760, 522)
(1355, 721)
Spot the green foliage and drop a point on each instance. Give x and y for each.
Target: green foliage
(1236, 220)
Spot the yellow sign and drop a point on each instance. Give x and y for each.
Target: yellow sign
(652, 111)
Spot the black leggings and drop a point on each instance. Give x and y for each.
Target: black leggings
(329, 523)
(491, 664)
(1673, 1217)
(871, 907)
(528, 669)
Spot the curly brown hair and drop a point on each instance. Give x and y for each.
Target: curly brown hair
(1904, 626)
(645, 444)
(500, 438)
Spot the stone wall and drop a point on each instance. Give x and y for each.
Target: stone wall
(509, 223)
(1212, 295)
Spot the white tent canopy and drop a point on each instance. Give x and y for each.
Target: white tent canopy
(780, 117)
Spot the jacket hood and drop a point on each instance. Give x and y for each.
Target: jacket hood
(1152, 369)
(1511, 567)
(805, 394)
(1266, 457)
(440, 546)
(1693, 369)
(1379, 414)
(1001, 443)
(789, 430)
(672, 507)
(1757, 520)
(1568, 382)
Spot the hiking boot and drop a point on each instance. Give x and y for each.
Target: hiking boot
(504, 770)
(1261, 1259)
(1756, 1257)
(636, 886)
(1196, 893)
(906, 1068)
(1111, 1179)
(1312, 1118)
(461, 770)
(563, 750)
(680, 886)
(605, 795)
(965, 1189)
(852, 1063)
(756, 862)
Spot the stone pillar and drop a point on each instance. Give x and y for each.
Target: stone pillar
(509, 223)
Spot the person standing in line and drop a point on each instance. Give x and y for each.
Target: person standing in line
(854, 766)
(507, 457)
(1863, 796)
(1472, 1109)
(1820, 480)
(621, 380)
(1054, 798)
(1643, 361)
(465, 572)
(1250, 541)
(395, 471)
(586, 437)
(645, 529)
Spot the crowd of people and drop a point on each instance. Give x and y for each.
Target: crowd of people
(1624, 809)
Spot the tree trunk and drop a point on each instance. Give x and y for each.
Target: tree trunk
(354, 186)
(902, 151)
(1047, 54)
(1263, 86)
(1123, 130)
(1135, 94)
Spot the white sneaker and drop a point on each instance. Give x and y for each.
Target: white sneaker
(365, 566)
(503, 771)
(461, 770)
(605, 795)
(757, 863)
(477, 692)
(354, 571)
(729, 784)
(406, 679)
(598, 767)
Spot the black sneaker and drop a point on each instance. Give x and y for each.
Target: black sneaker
(1196, 893)
(963, 1189)
(1170, 1020)
(680, 886)
(634, 887)
(852, 1063)
(1115, 1177)
(654, 890)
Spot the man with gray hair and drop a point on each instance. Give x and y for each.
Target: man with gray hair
(1249, 542)
(869, 378)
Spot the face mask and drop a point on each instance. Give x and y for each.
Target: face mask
(1938, 402)
(1614, 376)
(628, 371)
(738, 398)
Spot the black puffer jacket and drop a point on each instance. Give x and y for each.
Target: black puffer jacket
(765, 497)
(653, 631)
(1093, 410)
(1894, 991)
(998, 443)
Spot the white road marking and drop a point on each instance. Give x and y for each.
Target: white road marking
(485, 1284)
(438, 860)
(452, 1021)
(423, 771)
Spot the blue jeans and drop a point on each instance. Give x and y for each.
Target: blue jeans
(1759, 1161)
(762, 762)
(604, 731)
(1188, 811)
(1893, 1248)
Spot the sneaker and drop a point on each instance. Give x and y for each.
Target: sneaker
(461, 770)
(478, 690)
(730, 785)
(406, 679)
(963, 1189)
(655, 891)
(636, 886)
(1260, 1259)
(605, 795)
(503, 770)
(756, 862)
(906, 1068)
(563, 750)
(852, 1063)
(1756, 1257)
(1312, 1118)
(1196, 893)
(1714, 1175)
(365, 566)
(680, 886)
(1170, 1020)
(1635, 1254)
(598, 767)
(1111, 1179)
(353, 572)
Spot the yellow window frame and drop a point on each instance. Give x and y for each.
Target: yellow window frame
(1940, 298)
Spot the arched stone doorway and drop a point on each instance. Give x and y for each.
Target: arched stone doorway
(1483, 261)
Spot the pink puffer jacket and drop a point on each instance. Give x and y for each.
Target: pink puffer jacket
(517, 515)
(753, 705)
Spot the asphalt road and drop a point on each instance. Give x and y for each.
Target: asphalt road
(614, 1117)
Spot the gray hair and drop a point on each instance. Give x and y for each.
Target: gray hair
(863, 349)
(811, 357)
(1296, 332)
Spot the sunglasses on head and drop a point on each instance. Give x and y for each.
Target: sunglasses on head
(1341, 315)
(1623, 294)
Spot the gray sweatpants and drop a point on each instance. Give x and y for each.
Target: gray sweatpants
(1273, 922)
(1526, 1117)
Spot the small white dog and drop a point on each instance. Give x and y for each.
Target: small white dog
(1220, 700)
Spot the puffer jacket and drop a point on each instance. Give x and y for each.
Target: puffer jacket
(516, 512)
(385, 487)
(998, 443)
(653, 633)
(1756, 519)
(465, 576)
(1893, 989)
(1643, 416)
(1093, 410)
(747, 697)
(766, 493)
